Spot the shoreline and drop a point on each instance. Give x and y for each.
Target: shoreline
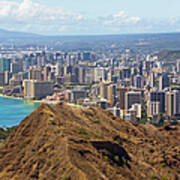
(34, 101)
(37, 101)
(11, 97)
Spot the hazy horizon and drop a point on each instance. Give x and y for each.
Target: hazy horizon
(74, 35)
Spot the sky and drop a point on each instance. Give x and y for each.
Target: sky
(86, 17)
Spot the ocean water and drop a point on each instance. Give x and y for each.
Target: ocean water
(13, 111)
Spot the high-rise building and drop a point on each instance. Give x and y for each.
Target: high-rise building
(100, 74)
(58, 69)
(51, 76)
(41, 61)
(140, 68)
(46, 72)
(111, 96)
(115, 111)
(170, 104)
(122, 91)
(152, 80)
(2, 78)
(7, 76)
(176, 102)
(77, 94)
(153, 108)
(134, 71)
(16, 67)
(158, 96)
(125, 73)
(5, 64)
(79, 56)
(67, 70)
(131, 98)
(86, 56)
(178, 66)
(138, 81)
(164, 82)
(35, 74)
(34, 89)
(110, 76)
(82, 74)
(173, 103)
(89, 75)
(138, 109)
(146, 65)
(104, 89)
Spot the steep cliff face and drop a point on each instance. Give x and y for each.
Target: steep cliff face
(63, 143)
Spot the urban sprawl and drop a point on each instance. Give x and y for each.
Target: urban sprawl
(137, 87)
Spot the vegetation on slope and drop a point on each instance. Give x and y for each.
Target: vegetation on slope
(84, 144)
(4, 133)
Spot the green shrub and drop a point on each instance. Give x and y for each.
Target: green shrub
(124, 161)
(85, 134)
(164, 178)
(96, 121)
(116, 158)
(106, 158)
(96, 136)
(153, 177)
(163, 164)
(4, 133)
(67, 177)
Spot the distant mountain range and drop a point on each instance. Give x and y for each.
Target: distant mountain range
(146, 42)
(18, 34)
(13, 34)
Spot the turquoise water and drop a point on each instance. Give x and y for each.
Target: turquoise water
(13, 111)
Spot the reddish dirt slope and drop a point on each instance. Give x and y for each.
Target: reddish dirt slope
(77, 144)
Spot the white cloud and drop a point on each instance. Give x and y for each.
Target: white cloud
(120, 14)
(122, 23)
(30, 16)
(120, 18)
(30, 12)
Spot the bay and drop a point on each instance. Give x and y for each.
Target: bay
(13, 111)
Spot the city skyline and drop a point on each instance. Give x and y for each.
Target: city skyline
(89, 17)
